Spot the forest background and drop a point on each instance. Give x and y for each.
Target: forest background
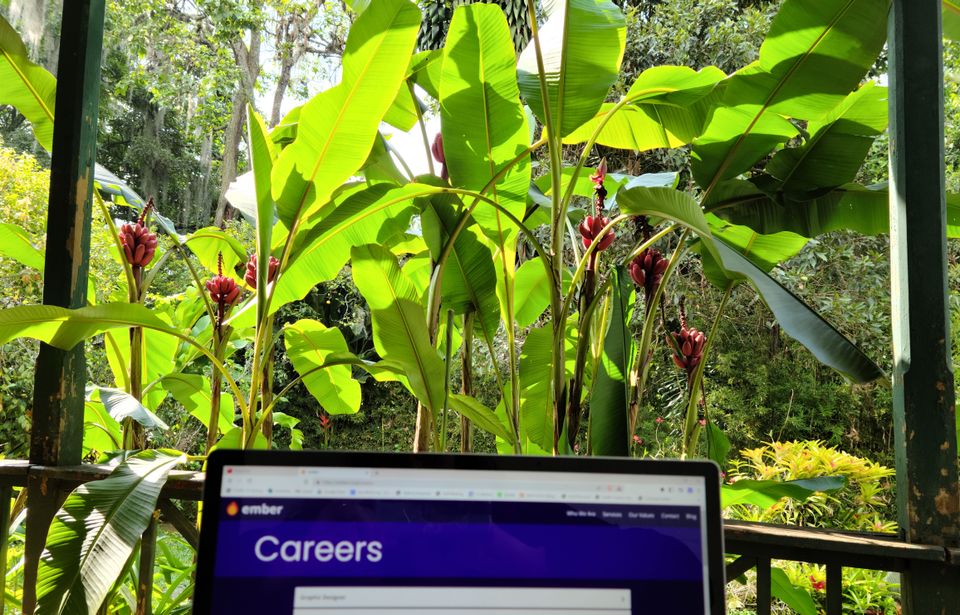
(177, 77)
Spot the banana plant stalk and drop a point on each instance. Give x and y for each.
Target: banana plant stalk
(466, 381)
(138, 247)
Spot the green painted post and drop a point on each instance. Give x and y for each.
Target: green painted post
(56, 434)
(924, 413)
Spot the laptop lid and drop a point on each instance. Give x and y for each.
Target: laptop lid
(404, 534)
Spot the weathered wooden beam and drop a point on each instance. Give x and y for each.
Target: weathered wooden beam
(56, 433)
(928, 494)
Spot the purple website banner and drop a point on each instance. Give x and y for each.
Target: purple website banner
(456, 550)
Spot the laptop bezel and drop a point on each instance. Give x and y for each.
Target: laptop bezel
(212, 502)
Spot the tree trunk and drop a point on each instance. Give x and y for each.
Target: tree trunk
(203, 204)
(248, 60)
(231, 147)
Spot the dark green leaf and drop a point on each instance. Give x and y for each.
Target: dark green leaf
(766, 493)
(801, 322)
(807, 40)
(794, 597)
(718, 445)
(610, 398)
(469, 278)
(837, 146)
(95, 532)
(481, 416)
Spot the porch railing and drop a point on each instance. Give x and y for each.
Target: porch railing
(755, 545)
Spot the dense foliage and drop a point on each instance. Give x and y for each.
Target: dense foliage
(622, 261)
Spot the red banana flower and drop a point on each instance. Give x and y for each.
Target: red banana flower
(139, 243)
(250, 276)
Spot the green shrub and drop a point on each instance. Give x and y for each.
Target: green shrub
(865, 504)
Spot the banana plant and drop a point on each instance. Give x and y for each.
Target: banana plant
(517, 263)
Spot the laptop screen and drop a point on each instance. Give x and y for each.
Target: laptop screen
(394, 541)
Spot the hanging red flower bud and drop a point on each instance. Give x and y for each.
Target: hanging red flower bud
(250, 276)
(139, 243)
(223, 290)
(647, 270)
(437, 150)
(688, 348)
(601, 174)
(591, 227)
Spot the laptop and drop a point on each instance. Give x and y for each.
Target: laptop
(402, 534)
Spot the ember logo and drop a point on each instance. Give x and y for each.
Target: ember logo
(232, 509)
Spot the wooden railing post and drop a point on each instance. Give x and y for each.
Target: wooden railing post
(56, 433)
(928, 496)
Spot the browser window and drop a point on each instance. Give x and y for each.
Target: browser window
(380, 541)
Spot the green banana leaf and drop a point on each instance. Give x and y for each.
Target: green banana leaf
(484, 126)
(337, 127)
(766, 493)
(262, 155)
(864, 209)
(668, 108)
(65, 328)
(122, 405)
(798, 320)
(372, 215)
(310, 346)
(481, 416)
(192, 391)
(209, 243)
(469, 279)
(839, 38)
(794, 597)
(837, 146)
(532, 292)
(399, 322)
(94, 533)
(28, 87)
(16, 244)
(582, 46)
(610, 401)
(951, 19)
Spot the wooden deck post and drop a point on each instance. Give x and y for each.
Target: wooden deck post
(924, 412)
(56, 434)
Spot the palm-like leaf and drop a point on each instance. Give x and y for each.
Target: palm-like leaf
(28, 87)
(95, 532)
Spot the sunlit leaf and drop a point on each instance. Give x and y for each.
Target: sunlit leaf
(310, 346)
(28, 87)
(484, 126)
(582, 46)
(399, 322)
(337, 127)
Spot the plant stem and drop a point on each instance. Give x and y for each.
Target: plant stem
(557, 215)
(691, 427)
(466, 385)
(447, 364)
(133, 433)
(216, 380)
(148, 556)
(583, 344)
